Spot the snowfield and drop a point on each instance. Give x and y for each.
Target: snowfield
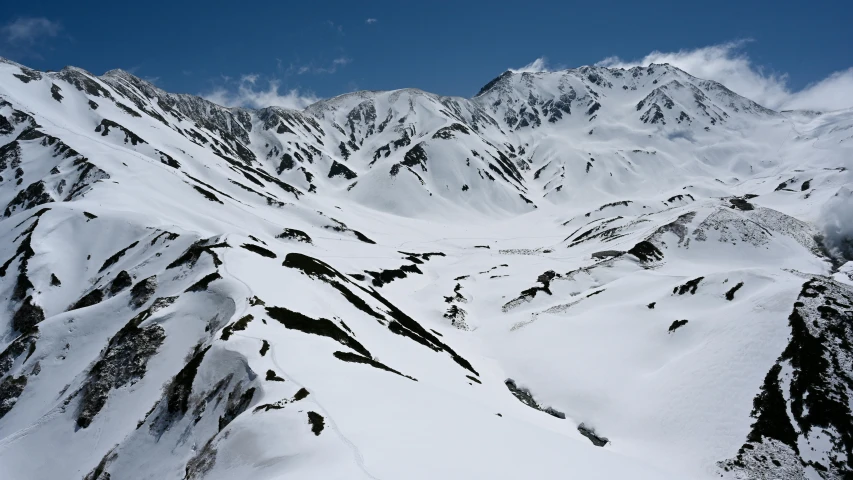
(593, 273)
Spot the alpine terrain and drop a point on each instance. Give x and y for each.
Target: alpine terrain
(591, 273)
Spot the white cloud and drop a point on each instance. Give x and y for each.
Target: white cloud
(728, 64)
(336, 27)
(28, 30)
(371, 21)
(246, 94)
(833, 92)
(538, 65)
(837, 224)
(319, 69)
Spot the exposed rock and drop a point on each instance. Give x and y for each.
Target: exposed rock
(676, 325)
(607, 254)
(143, 291)
(122, 281)
(525, 397)
(35, 194)
(317, 422)
(27, 316)
(589, 433)
(11, 389)
(123, 362)
(296, 235)
(646, 252)
(339, 169)
(25, 343)
(92, 298)
(811, 410)
(355, 358)
(689, 286)
(259, 250)
(730, 295)
(238, 401)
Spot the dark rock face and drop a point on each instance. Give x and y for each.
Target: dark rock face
(589, 433)
(10, 389)
(689, 286)
(28, 316)
(10, 154)
(112, 260)
(143, 291)
(527, 295)
(525, 397)
(92, 298)
(456, 316)
(741, 204)
(730, 295)
(237, 326)
(646, 252)
(607, 254)
(817, 396)
(88, 175)
(122, 281)
(446, 133)
(26, 343)
(259, 250)
(83, 82)
(193, 253)
(238, 402)
(342, 227)
(287, 163)
(339, 169)
(204, 283)
(676, 325)
(317, 422)
(416, 157)
(178, 392)
(100, 470)
(506, 75)
(199, 465)
(323, 327)
(293, 234)
(400, 324)
(356, 358)
(35, 194)
(5, 127)
(129, 137)
(54, 92)
(387, 276)
(123, 362)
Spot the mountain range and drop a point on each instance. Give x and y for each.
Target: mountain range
(596, 273)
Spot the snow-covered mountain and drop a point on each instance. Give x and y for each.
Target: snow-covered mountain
(591, 273)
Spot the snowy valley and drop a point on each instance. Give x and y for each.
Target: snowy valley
(592, 273)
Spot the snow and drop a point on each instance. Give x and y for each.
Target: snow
(542, 197)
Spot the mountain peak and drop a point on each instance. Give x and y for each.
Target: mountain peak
(180, 280)
(507, 74)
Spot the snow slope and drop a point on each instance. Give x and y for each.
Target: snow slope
(591, 273)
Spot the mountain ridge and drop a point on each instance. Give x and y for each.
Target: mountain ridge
(558, 277)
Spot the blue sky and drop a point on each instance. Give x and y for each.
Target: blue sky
(293, 52)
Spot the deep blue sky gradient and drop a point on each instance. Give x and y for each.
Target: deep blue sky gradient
(450, 48)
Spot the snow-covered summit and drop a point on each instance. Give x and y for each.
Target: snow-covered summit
(594, 273)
